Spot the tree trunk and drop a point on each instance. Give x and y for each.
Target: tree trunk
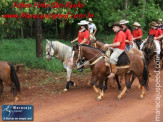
(39, 41)
(56, 29)
(144, 6)
(22, 31)
(125, 4)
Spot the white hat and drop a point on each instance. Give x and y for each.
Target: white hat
(160, 19)
(90, 19)
(122, 22)
(83, 22)
(136, 24)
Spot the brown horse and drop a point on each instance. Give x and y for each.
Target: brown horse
(8, 75)
(100, 70)
(98, 44)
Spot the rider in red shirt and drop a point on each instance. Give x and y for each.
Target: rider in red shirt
(154, 30)
(83, 37)
(137, 34)
(118, 47)
(83, 34)
(127, 34)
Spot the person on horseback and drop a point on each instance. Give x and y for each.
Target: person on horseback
(83, 34)
(127, 34)
(154, 30)
(137, 34)
(118, 47)
(160, 23)
(92, 29)
(83, 37)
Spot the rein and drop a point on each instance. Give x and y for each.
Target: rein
(98, 59)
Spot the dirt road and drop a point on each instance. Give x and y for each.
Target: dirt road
(79, 104)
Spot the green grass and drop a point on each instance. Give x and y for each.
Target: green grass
(23, 51)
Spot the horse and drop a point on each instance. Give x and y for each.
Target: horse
(150, 49)
(136, 65)
(98, 44)
(65, 54)
(8, 76)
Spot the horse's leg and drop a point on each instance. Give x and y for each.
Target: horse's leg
(127, 81)
(119, 85)
(132, 80)
(1, 87)
(142, 93)
(94, 80)
(121, 78)
(69, 70)
(101, 89)
(106, 83)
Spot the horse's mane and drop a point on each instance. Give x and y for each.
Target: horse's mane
(101, 41)
(93, 48)
(61, 51)
(150, 39)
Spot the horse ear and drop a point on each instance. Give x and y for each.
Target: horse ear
(47, 40)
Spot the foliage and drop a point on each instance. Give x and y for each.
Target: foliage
(105, 12)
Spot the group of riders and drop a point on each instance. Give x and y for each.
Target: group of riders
(124, 39)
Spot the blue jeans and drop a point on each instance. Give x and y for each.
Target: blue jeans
(128, 47)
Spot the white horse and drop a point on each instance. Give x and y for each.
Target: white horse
(63, 53)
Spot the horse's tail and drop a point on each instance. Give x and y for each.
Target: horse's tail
(14, 77)
(145, 74)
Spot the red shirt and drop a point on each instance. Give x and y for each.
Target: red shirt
(128, 35)
(120, 37)
(82, 35)
(156, 32)
(136, 33)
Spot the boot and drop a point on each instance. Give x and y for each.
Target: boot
(113, 71)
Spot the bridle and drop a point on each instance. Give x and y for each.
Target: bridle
(51, 47)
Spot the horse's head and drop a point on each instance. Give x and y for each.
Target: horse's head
(49, 50)
(77, 57)
(149, 47)
(93, 43)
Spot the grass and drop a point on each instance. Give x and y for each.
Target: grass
(23, 51)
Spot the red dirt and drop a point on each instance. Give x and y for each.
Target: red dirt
(43, 90)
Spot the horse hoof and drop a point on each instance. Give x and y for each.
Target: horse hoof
(127, 90)
(16, 99)
(74, 84)
(65, 90)
(118, 98)
(98, 98)
(141, 97)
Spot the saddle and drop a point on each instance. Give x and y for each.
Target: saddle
(123, 59)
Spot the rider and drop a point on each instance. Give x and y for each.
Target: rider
(92, 29)
(118, 47)
(160, 23)
(127, 34)
(83, 36)
(137, 34)
(154, 30)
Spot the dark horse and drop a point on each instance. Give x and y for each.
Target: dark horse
(100, 70)
(8, 75)
(149, 49)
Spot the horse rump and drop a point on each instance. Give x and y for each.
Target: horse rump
(123, 59)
